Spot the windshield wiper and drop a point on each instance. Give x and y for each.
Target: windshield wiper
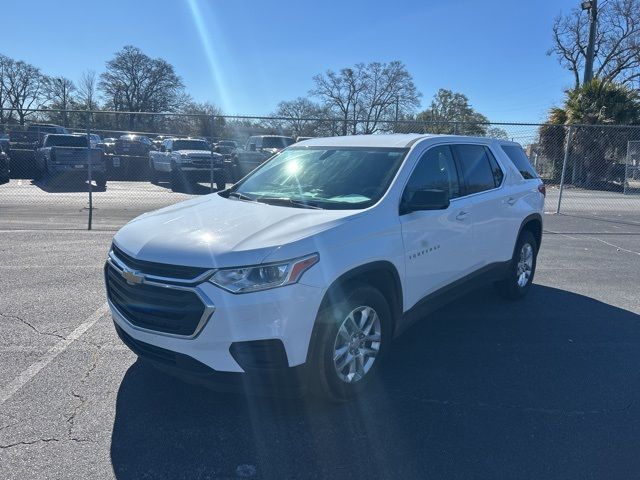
(287, 202)
(240, 196)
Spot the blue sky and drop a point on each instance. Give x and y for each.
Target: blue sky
(246, 56)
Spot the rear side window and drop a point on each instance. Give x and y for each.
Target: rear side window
(520, 160)
(477, 168)
(495, 168)
(436, 170)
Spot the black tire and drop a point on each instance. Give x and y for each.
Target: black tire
(38, 174)
(153, 174)
(175, 179)
(324, 379)
(101, 180)
(221, 181)
(512, 286)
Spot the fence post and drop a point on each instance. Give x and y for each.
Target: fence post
(567, 148)
(89, 172)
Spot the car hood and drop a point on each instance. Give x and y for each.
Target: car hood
(214, 231)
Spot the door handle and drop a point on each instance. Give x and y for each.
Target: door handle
(511, 201)
(462, 215)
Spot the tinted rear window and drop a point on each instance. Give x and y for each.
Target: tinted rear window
(520, 160)
(476, 167)
(66, 141)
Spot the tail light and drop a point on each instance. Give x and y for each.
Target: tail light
(542, 189)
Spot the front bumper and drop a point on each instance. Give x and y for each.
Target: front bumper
(283, 315)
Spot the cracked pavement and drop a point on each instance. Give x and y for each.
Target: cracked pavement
(543, 388)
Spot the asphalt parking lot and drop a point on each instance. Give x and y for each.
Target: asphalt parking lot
(543, 388)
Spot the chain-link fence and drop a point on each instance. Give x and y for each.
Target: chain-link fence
(124, 163)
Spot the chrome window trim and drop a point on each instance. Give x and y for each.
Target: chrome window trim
(209, 309)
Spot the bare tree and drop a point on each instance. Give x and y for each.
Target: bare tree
(340, 93)
(303, 117)
(390, 94)
(87, 94)
(25, 88)
(366, 95)
(135, 82)
(59, 91)
(617, 44)
(4, 62)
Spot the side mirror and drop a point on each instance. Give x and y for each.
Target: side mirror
(425, 200)
(252, 147)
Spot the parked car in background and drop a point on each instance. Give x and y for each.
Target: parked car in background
(23, 143)
(4, 164)
(226, 147)
(95, 139)
(187, 160)
(32, 137)
(63, 154)
(257, 149)
(107, 144)
(308, 268)
(130, 157)
(158, 139)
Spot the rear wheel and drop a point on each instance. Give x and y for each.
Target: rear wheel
(101, 180)
(522, 267)
(153, 174)
(352, 337)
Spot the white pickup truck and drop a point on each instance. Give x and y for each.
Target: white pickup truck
(186, 160)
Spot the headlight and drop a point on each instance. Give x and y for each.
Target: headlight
(263, 277)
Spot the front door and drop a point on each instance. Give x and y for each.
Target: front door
(438, 243)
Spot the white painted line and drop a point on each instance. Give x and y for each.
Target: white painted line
(615, 246)
(17, 383)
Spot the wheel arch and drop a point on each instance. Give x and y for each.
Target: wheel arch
(533, 224)
(382, 275)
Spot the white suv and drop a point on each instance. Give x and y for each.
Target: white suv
(304, 271)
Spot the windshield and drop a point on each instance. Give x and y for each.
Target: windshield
(276, 142)
(190, 145)
(331, 178)
(66, 141)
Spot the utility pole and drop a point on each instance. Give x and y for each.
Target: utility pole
(592, 6)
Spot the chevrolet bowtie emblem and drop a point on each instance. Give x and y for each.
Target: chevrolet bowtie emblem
(132, 277)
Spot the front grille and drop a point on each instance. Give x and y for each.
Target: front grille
(159, 308)
(159, 269)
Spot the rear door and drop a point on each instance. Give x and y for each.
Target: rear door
(438, 243)
(484, 180)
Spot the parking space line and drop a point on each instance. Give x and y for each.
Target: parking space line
(17, 383)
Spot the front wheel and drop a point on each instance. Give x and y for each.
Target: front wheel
(221, 181)
(522, 267)
(352, 336)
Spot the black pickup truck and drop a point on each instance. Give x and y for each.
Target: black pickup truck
(63, 154)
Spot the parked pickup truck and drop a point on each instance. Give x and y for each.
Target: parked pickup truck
(257, 149)
(130, 157)
(61, 154)
(23, 143)
(187, 160)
